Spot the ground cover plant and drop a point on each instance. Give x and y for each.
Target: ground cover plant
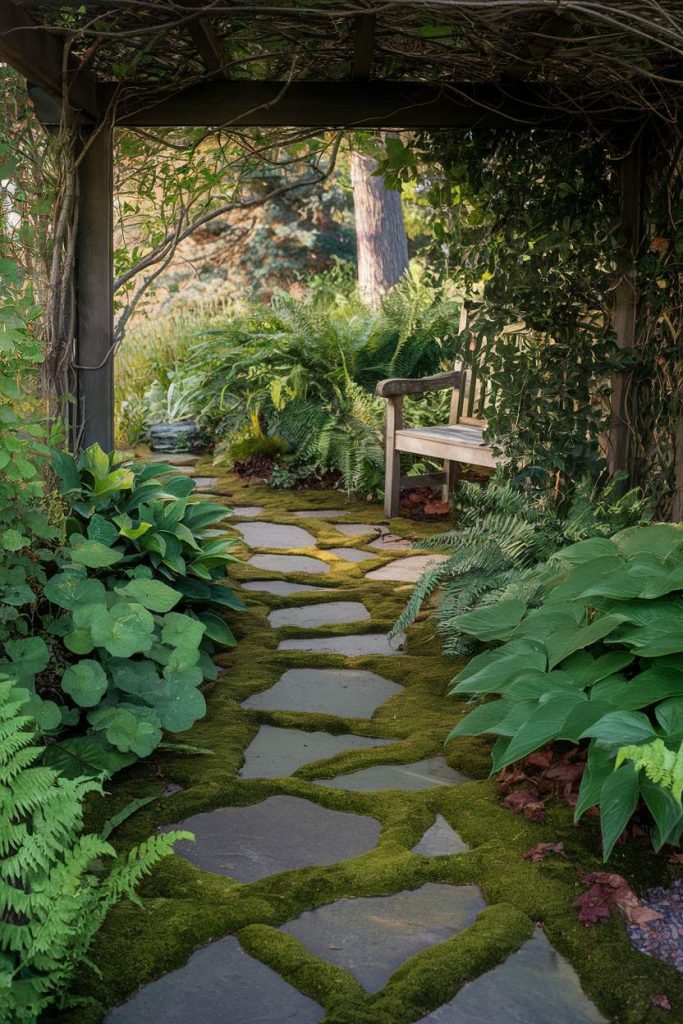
(502, 537)
(58, 882)
(119, 637)
(597, 663)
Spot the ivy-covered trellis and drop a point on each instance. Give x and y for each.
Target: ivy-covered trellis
(609, 68)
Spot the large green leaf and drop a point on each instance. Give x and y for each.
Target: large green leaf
(151, 594)
(618, 728)
(653, 628)
(588, 551)
(666, 811)
(70, 589)
(180, 630)
(599, 765)
(543, 725)
(660, 539)
(28, 656)
(140, 678)
(670, 716)
(86, 756)
(92, 553)
(492, 671)
(217, 629)
(495, 622)
(587, 670)
(180, 706)
(566, 642)
(134, 729)
(85, 682)
(481, 719)
(124, 630)
(583, 717)
(618, 800)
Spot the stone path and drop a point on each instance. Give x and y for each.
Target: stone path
(314, 810)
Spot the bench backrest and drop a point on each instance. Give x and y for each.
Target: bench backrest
(469, 401)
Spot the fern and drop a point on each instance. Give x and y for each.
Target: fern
(660, 764)
(52, 901)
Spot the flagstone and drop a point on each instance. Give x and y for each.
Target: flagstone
(351, 646)
(391, 542)
(206, 483)
(349, 693)
(274, 535)
(282, 588)
(321, 513)
(275, 753)
(247, 511)
(289, 563)
(405, 570)
(350, 554)
(373, 936)
(440, 840)
(280, 833)
(533, 986)
(222, 984)
(425, 774)
(358, 529)
(330, 613)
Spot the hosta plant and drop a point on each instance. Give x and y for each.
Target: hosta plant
(57, 883)
(599, 662)
(119, 637)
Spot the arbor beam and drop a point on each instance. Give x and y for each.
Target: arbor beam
(94, 277)
(41, 58)
(373, 104)
(363, 44)
(631, 183)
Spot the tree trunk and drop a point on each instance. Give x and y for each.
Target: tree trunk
(380, 233)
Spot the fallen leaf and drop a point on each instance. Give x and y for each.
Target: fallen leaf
(659, 1000)
(541, 851)
(523, 801)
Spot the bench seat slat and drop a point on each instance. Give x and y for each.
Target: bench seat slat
(458, 443)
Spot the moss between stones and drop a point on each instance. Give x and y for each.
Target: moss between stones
(183, 907)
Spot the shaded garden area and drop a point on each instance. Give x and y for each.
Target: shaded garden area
(267, 750)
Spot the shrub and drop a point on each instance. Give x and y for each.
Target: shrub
(121, 633)
(58, 884)
(598, 663)
(504, 537)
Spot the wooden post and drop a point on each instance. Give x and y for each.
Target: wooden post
(94, 418)
(392, 466)
(632, 176)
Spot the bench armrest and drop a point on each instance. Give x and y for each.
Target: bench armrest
(417, 385)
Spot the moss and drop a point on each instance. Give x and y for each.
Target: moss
(183, 907)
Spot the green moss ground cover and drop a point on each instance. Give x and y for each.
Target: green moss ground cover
(183, 907)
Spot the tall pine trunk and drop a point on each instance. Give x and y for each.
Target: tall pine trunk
(380, 232)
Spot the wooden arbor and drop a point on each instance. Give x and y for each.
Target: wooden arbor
(519, 64)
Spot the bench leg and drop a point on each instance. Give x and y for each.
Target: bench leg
(392, 466)
(451, 469)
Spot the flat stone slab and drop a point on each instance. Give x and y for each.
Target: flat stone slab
(274, 535)
(432, 771)
(440, 840)
(206, 483)
(222, 984)
(351, 646)
(330, 613)
(371, 937)
(391, 542)
(405, 570)
(347, 692)
(289, 563)
(358, 529)
(281, 833)
(282, 588)
(321, 513)
(533, 986)
(247, 511)
(350, 554)
(275, 753)
(177, 459)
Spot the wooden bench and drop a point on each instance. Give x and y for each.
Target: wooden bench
(460, 440)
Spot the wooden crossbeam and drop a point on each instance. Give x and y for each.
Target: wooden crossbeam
(39, 56)
(373, 104)
(363, 43)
